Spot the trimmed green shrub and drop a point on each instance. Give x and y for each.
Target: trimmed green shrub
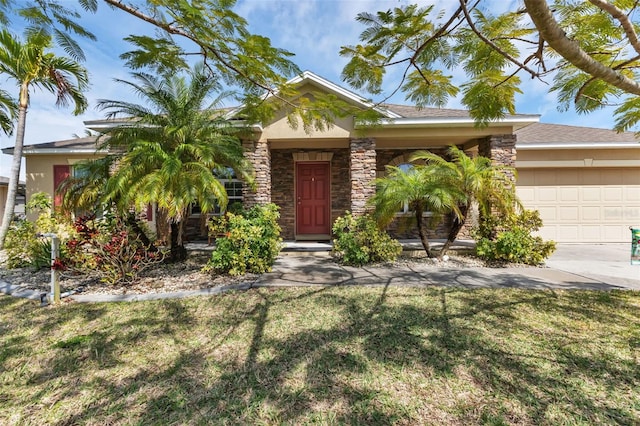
(249, 243)
(513, 242)
(358, 241)
(24, 244)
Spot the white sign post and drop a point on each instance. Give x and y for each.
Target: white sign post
(54, 295)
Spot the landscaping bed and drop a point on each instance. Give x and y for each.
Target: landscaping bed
(162, 278)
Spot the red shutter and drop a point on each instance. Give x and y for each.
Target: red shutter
(60, 173)
(149, 213)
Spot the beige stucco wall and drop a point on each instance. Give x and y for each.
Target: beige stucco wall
(623, 157)
(39, 172)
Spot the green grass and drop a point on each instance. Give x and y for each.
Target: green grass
(326, 356)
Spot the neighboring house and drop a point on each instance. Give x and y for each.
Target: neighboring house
(20, 197)
(48, 164)
(314, 177)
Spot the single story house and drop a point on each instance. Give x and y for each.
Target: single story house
(585, 182)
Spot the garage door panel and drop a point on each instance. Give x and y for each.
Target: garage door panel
(590, 213)
(567, 233)
(607, 202)
(548, 194)
(591, 193)
(612, 193)
(615, 233)
(631, 214)
(568, 214)
(591, 232)
(613, 213)
(526, 194)
(548, 214)
(569, 194)
(632, 194)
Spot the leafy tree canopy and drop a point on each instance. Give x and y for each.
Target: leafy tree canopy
(209, 30)
(588, 52)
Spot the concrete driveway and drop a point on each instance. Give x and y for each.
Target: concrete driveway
(605, 263)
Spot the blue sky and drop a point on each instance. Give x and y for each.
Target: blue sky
(314, 30)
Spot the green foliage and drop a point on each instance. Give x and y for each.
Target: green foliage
(249, 243)
(591, 58)
(32, 65)
(439, 186)
(510, 239)
(358, 241)
(40, 202)
(25, 245)
(110, 249)
(8, 111)
(167, 155)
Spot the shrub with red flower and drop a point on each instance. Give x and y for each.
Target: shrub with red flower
(110, 250)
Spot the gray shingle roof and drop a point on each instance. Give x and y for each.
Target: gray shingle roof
(562, 134)
(85, 143)
(409, 111)
(78, 143)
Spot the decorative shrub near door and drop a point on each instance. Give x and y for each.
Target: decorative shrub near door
(358, 241)
(249, 241)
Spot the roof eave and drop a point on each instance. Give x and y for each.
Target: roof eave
(517, 122)
(55, 151)
(584, 145)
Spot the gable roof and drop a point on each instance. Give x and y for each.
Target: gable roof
(308, 77)
(550, 136)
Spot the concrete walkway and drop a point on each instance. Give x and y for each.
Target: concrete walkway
(321, 270)
(587, 267)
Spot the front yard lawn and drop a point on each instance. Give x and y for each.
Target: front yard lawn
(352, 355)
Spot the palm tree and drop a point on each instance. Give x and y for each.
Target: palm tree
(168, 151)
(29, 65)
(477, 180)
(422, 189)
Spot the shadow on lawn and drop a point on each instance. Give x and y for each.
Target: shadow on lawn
(382, 359)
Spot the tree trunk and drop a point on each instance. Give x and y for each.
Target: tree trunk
(457, 225)
(132, 221)
(178, 251)
(14, 178)
(423, 233)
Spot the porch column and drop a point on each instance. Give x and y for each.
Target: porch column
(501, 149)
(362, 167)
(258, 154)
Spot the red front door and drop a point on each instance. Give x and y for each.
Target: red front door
(313, 215)
(60, 173)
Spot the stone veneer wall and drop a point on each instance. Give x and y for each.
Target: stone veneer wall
(499, 148)
(362, 165)
(259, 156)
(283, 189)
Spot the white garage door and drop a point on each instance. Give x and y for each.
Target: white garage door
(583, 205)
